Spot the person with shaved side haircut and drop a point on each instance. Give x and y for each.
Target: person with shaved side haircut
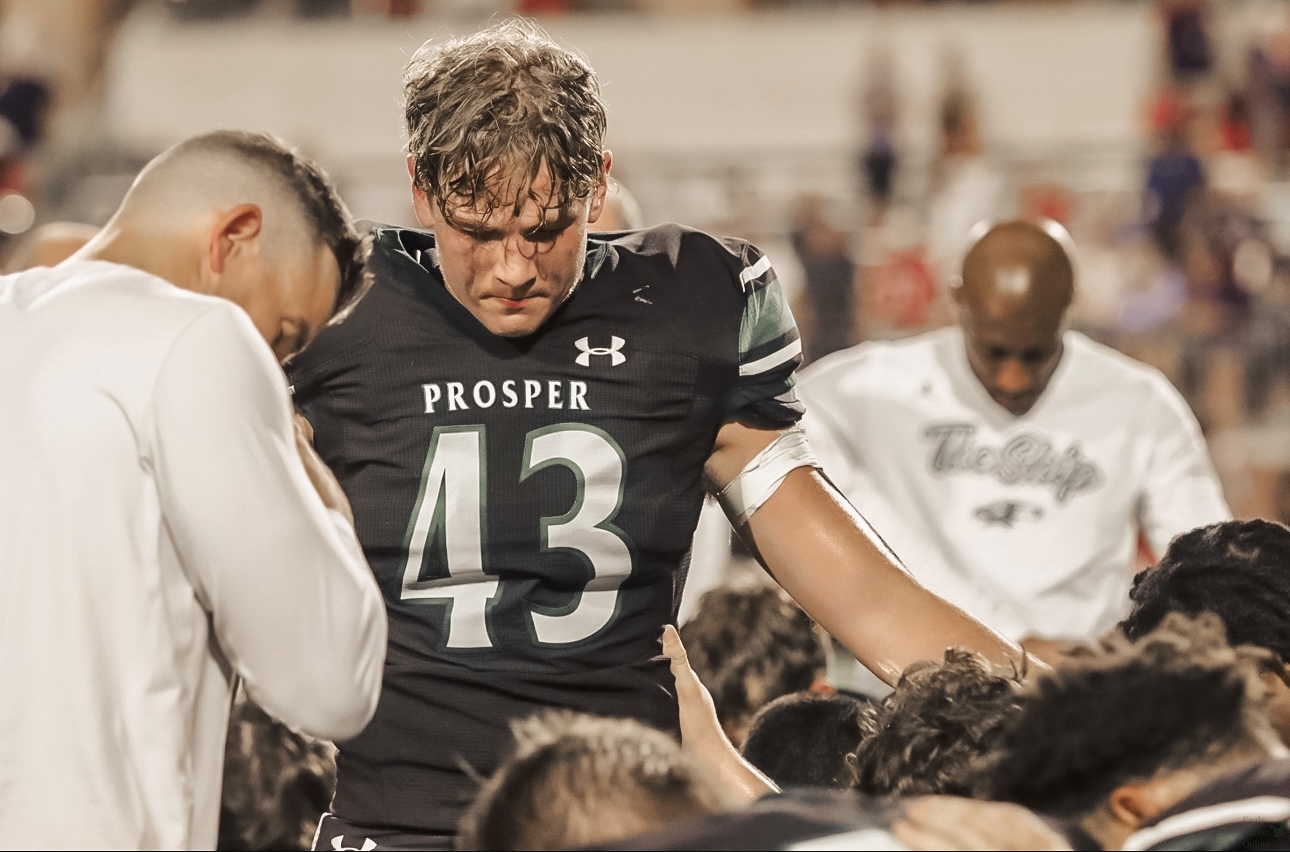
(165, 527)
(1010, 461)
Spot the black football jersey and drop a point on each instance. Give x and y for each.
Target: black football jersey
(527, 504)
(1248, 809)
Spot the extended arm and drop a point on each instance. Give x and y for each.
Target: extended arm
(826, 556)
(293, 604)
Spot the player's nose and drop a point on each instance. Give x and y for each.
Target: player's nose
(1013, 378)
(515, 268)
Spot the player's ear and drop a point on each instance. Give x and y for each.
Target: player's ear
(597, 205)
(1134, 804)
(234, 232)
(420, 198)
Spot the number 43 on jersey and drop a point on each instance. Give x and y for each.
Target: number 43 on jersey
(451, 509)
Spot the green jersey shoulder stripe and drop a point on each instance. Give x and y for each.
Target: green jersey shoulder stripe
(767, 331)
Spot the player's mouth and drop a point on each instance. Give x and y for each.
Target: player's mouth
(1017, 404)
(514, 304)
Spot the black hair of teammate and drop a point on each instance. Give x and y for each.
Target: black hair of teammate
(1179, 697)
(806, 739)
(749, 646)
(941, 720)
(579, 781)
(1238, 570)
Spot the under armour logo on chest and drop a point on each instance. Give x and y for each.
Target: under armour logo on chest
(614, 350)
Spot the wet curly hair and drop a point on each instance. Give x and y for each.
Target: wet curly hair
(486, 112)
(933, 729)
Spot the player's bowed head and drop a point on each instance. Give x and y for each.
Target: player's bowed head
(508, 168)
(1017, 283)
(244, 217)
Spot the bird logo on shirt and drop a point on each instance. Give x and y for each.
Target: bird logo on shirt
(1006, 513)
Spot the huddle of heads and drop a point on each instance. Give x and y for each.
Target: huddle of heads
(1190, 688)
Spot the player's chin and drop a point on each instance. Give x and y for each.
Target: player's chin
(519, 323)
(1017, 405)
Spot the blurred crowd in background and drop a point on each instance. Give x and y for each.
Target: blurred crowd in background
(863, 196)
(859, 144)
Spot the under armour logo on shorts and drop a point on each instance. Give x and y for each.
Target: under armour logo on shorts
(614, 350)
(338, 843)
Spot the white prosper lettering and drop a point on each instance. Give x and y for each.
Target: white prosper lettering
(551, 394)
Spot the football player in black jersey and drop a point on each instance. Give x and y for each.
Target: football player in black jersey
(525, 421)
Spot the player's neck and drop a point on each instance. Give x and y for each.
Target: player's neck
(166, 255)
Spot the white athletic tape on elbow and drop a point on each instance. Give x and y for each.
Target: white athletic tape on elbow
(764, 474)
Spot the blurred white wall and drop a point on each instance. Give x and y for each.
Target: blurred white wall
(777, 88)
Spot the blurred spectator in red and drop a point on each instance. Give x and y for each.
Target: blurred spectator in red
(24, 106)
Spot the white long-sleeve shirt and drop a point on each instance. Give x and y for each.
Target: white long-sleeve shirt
(1029, 523)
(158, 536)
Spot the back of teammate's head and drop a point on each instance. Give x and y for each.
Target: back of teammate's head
(936, 726)
(1236, 570)
(245, 216)
(749, 646)
(1110, 736)
(579, 781)
(486, 112)
(807, 739)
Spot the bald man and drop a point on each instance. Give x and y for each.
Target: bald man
(1009, 461)
(164, 528)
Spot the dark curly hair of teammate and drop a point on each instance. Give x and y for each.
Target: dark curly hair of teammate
(1178, 697)
(938, 723)
(1234, 569)
(749, 646)
(806, 739)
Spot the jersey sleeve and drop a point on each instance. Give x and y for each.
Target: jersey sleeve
(1181, 490)
(769, 350)
(293, 605)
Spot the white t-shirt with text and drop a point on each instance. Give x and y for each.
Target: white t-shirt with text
(1029, 523)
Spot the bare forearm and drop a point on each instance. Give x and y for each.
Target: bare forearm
(818, 548)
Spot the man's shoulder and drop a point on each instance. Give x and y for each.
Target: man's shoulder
(878, 366)
(125, 296)
(1096, 364)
